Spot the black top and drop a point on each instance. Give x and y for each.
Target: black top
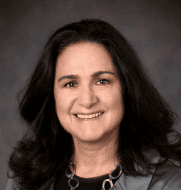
(85, 183)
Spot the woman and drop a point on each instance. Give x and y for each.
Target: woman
(95, 119)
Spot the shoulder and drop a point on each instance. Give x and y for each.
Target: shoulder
(11, 185)
(169, 179)
(173, 179)
(174, 182)
(165, 177)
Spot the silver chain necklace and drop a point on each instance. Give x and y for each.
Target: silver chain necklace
(72, 177)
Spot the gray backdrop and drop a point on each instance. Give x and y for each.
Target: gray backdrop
(152, 26)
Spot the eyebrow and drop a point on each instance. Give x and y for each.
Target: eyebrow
(95, 74)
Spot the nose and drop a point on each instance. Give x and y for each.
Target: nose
(87, 97)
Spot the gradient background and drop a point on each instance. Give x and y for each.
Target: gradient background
(152, 26)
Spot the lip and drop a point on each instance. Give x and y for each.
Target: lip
(88, 119)
(89, 113)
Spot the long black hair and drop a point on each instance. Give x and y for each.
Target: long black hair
(46, 148)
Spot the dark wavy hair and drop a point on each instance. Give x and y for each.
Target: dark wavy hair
(41, 155)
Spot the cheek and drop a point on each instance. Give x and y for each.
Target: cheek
(116, 104)
(60, 101)
(115, 99)
(64, 104)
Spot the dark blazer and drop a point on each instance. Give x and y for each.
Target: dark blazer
(170, 180)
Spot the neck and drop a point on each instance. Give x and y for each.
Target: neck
(96, 158)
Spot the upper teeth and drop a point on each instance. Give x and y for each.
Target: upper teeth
(89, 116)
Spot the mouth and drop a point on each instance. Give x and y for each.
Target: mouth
(86, 117)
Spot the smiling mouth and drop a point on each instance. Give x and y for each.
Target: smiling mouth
(89, 116)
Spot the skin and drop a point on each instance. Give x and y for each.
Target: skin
(95, 141)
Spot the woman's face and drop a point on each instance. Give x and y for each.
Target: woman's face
(86, 93)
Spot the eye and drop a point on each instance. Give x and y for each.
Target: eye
(103, 80)
(69, 84)
(74, 83)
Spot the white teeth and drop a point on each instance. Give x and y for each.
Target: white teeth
(89, 116)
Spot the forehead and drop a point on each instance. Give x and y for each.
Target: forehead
(85, 55)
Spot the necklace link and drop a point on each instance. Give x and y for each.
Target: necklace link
(71, 176)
